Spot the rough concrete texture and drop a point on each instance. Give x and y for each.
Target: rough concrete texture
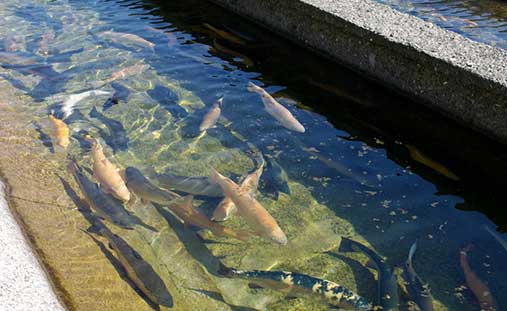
(23, 283)
(463, 79)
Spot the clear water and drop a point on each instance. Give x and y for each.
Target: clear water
(483, 21)
(350, 174)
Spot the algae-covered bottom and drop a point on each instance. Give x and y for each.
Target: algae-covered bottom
(367, 171)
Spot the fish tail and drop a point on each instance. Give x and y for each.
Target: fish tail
(213, 178)
(411, 252)
(345, 245)
(94, 113)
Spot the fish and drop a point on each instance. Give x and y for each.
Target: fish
(476, 285)
(301, 285)
(68, 105)
(123, 73)
(107, 174)
(250, 184)
(420, 157)
(276, 110)
(196, 185)
(46, 39)
(497, 237)
(104, 205)
(145, 190)
(277, 179)
(60, 131)
(340, 168)
(171, 38)
(138, 269)
(419, 291)
(225, 35)
(387, 283)
(117, 138)
(192, 216)
(211, 117)
(256, 216)
(122, 37)
(220, 48)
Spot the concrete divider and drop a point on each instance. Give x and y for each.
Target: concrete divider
(463, 79)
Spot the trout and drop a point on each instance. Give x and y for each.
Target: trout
(145, 190)
(418, 290)
(276, 110)
(103, 204)
(60, 131)
(476, 285)
(211, 117)
(191, 216)
(257, 217)
(387, 283)
(107, 174)
(250, 184)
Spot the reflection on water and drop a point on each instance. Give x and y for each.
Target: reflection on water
(480, 20)
(166, 89)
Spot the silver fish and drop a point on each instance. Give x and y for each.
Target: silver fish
(211, 117)
(196, 185)
(275, 109)
(122, 37)
(69, 104)
(419, 291)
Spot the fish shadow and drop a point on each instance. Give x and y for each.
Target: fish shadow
(87, 213)
(365, 281)
(168, 100)
(43, 137)
(122, 272)
(192, 243)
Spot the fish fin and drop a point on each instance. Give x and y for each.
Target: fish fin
(145, 202)
(345, 245)
(110, 246)
(254, 286)
(94, 228)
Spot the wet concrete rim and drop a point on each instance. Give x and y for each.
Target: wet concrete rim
(463, 79)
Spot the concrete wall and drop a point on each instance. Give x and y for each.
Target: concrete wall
(463, 79)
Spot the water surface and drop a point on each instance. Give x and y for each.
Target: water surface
(352, 173)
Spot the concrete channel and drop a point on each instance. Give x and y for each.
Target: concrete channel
(462, 79)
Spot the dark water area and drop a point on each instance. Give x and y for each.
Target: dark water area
(371, 165)
(480, 20)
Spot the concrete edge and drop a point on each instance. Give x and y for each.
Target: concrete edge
(462, 79)
(24, 283)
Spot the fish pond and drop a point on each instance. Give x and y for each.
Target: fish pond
(331, 172)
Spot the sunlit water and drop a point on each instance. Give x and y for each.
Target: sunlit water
(483, 21)
(350, 174)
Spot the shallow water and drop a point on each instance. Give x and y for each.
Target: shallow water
(480, 20)
(350, 174)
